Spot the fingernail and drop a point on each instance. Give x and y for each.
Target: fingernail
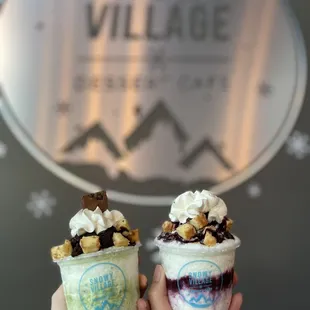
(157, 274)
(141, 304)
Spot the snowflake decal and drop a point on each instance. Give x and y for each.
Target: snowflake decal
(3, 149)
(254, 190)
(151, 247)
(298, 145)
(265, 89)
(41, 204)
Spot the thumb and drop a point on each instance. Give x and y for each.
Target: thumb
(58, 300)
(158, 296)
(236, 302)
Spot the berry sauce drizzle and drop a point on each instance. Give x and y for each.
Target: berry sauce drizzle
(213, 285)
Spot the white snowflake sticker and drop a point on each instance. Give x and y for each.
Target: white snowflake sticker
(3, 149)
(41, 204)
(298, 145)
(254, 190)
(151, 247)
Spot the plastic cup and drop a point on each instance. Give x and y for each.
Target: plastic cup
(107, 279)
(199, 277)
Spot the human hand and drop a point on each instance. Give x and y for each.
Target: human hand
(59, 301)
(158, 297)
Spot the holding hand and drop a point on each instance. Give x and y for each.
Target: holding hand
(158, 296)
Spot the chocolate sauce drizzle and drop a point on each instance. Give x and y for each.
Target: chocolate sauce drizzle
(105, 238)
(219, 233)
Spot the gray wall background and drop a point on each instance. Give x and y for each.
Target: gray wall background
(272, 262)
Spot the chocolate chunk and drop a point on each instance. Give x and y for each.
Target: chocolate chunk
(106, 237)
(76, 248)
(77, 251)
(75, 240)
(92, 201)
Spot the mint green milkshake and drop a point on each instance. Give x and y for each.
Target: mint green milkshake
(99, 264)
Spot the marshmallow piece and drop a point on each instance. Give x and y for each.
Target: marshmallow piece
(199, 221)
(134, 236)
(229, 224)
(167, 227)
(186, 231)
(126, 233)
(119, 240)
(209, 240)
(122, 224)
(90, 244)
(61, 251)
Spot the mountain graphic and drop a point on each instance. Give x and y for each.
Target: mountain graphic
(106, 306)
(205, 145)
(151, 184)
(158, 114)
(201, 299)
(98, 132)
(124, 182)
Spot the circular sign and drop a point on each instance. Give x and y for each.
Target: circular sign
(1, 4)
(150, 99)
(200, 283)
(102, 290)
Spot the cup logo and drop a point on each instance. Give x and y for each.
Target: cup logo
(199, 283)
(102, 286)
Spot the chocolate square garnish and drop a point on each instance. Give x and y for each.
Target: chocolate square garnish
(92, 201)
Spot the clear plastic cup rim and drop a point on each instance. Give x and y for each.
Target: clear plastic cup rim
(197, 249)
(104, 252)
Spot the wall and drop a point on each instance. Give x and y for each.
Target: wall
(270, 210)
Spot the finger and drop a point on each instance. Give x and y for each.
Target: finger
(58, 300)
(143, 305)
(236, 302)
(143, 284)
(235, 279)
(158, 292)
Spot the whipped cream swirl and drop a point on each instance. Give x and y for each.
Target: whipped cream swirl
(190, 204)
(89, 221)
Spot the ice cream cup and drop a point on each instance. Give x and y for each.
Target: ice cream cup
(107, 279)
(199, 277)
